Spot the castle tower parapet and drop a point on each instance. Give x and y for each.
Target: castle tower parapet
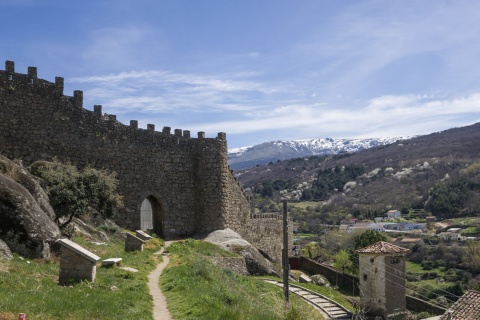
(32, 73)
(59, 85)
(222, 136)
(78, 98)
(9, 67)
(97, 110)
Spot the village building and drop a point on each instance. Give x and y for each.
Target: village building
(465, 308)
(375, 227)
(382, 279)
(394, 214)
(349, 221)
(408, 242)
(450, 236)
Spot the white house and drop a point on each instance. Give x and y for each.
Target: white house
(393, 214)
(376, 227)
(450, 236)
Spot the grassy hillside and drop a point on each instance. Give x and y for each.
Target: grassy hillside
(197, 289)
(31, 286)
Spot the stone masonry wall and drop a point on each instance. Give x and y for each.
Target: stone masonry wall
(335, 277)
(267, 236)
(189, 177)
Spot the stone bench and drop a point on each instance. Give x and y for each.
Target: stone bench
(111, 261)
(133, 243)
(76, 262)
(142, 235)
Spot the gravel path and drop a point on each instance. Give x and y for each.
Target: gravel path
(160, 310)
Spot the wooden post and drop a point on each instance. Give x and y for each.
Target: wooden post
(286, 266)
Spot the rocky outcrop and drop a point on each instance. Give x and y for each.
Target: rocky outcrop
(320, 280)
(5, 252)
(231, 241)
(26, 217)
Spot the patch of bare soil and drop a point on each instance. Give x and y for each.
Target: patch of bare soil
(160, 308)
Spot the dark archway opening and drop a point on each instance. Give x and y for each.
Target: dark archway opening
(151, 216)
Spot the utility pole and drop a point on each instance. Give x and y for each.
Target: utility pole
(286, 264)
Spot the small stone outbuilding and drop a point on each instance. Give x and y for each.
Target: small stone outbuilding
(382, 279)
(76, 263)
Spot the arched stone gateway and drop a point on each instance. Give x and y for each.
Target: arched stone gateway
(151, 215)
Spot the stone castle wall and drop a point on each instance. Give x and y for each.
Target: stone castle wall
(189, 178)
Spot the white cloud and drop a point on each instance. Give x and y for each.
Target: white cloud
(239, 105)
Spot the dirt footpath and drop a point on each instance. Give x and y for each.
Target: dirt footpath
(160, 310)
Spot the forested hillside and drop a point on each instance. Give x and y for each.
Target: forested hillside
(439, 172)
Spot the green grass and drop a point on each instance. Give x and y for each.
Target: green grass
(305, 235)
(417, 268)
(197, 289)
(330, 293)
(305, 204)
(31, 287)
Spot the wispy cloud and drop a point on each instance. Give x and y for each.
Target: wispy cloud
(241, 105)
(161, 91)
(380, 117)
(361, 47)
(110, 47)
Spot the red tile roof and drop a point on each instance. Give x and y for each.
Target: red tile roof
(382, 247)
(466, 308)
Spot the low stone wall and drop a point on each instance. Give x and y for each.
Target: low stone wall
(418, 305)
(342, 280)
(267, 236)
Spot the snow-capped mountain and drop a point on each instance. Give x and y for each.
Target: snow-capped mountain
(245, 157)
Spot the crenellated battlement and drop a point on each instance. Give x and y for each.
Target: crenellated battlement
(187, 181)
(13, 81)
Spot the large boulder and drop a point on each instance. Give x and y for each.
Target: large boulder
(320, 280)
(5, 252)
(231, 241)
(26, 217)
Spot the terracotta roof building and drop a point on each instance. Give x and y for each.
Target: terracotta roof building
(382, 279)
(466, 308)
(382, 247)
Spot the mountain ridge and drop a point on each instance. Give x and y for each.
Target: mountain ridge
(272, 151)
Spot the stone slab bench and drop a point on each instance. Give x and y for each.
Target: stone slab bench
(76, 262)
(142, 235)
(111, 261)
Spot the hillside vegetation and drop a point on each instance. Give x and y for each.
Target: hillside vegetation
(197, 289)
(438, 173)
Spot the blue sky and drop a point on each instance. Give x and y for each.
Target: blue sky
(259, 70)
